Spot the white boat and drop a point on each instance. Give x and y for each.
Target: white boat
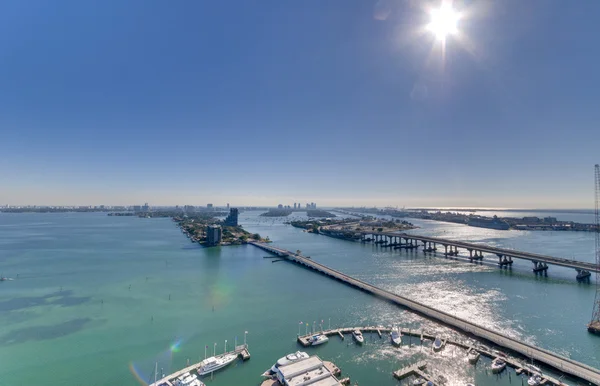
(187, 379)
(419, 381)
(473, 356)
(498, 365)
(318, 339)
(358, 336)
(437, 344)
(534, 380)
(290, 358)
(396, 336)
(213, 364)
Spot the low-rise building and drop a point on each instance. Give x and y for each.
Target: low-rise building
(310, 371)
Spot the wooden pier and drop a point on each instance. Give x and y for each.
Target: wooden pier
(241, 351)
(547, 357)
(412, 370)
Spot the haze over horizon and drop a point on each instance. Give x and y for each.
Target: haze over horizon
(340, 103)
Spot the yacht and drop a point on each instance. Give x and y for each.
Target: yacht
(318, 339)
(290, 358)
(213, 364)
(473, 356)
(437, 344)
(396, 336)
(187, 379)
(419, 381)
(498, 365)
(534, 380)
(358, 336)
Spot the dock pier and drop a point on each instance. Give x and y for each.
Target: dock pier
(546, 357)
(241, 351)
(412, 369)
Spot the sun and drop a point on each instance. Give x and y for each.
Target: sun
(443, 21)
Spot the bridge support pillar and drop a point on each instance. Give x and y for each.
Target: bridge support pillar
(540, 267)
(583, 274)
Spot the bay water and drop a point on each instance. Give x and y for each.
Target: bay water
(98, 300)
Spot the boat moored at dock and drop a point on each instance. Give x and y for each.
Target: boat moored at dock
(498, 365)
(318, 339)
(188, 379)
(396, 336)
(437, 344)
(212, 364)
(473, 356)
(290, 358)
(358, 336)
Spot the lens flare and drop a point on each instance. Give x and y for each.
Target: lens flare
(137, 374)
(176, 346)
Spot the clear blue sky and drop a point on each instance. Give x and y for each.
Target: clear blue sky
(266, 102)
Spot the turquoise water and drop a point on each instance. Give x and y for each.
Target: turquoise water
(99, 299)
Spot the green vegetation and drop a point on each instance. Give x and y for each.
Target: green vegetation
(277, 213)
(319, 213)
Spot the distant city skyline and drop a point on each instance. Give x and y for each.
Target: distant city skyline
(342, 103)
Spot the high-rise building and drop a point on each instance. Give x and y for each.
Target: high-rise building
(227, 205)
(232, 219)
(294, 205)
(145, 208)
(213, 235)
(137, 208)
(280, 206)
(209, 206)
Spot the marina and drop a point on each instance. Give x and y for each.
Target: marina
(549, 358)
(172, 379)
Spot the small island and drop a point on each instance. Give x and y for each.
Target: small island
(350, 229)
(319, 213)
(277, 213)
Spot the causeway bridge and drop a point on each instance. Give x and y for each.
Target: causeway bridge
(476, 251)
(560, 363)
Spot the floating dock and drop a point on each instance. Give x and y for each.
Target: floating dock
(415, 369)
(241, 351)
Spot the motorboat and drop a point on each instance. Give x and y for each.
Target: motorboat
(419, 381)
(358, 336)
(534, 380)
(473, 356)
(437, 344)
(290, 358)
(187, 379)
(498, 365)
(318, 339)
(396, 336)
(213, 364)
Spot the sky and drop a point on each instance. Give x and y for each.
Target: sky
(339, 102)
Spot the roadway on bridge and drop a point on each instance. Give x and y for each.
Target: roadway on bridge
(497, 251)
(561, 363)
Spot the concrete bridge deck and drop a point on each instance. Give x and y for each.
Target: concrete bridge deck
(541, 355)
(534, 257)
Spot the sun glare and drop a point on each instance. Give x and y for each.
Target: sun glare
(443, 21)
